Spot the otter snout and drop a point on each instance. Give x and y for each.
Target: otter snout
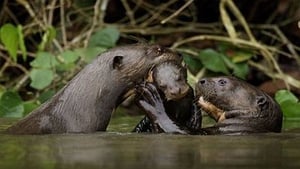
(176, 93)
(217, 81)
(202, 86)
(204, 82)
(207, 85)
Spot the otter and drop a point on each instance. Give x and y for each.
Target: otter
(238, 108)
(85, 104)
(170, 80)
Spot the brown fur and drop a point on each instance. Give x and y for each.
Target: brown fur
(168, 80)
(86, 103)
(237, 106)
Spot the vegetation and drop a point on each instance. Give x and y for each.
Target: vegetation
(45, 43)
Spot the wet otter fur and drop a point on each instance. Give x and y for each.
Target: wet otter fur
(170, 80)
(86, 103)
(238, 108)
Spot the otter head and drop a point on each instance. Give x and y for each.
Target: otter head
(133, 62)
(129, 65)
(170, 78)
(242, 103)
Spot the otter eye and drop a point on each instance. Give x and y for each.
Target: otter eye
(155, 51)
(158, 50)
(222, 82)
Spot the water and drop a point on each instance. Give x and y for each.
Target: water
(126, 150)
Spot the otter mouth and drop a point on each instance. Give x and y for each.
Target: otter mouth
(212, 110)
(126, 95)
(175, 97)
(178, 95)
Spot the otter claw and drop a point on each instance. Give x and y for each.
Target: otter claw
(151, 92)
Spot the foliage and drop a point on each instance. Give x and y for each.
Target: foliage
(108, 38)
(213, 61)
(12, 39)
(289, 104)
(220, 62)
(11, 105)
(45, 66)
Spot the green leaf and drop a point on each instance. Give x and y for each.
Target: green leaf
(46, 95)
(289, 103)
(9, 37)
(44, 60)
(290, 109)
(11, 105)
(62, 68)
(236, 55)
(48, 36)
(285, 95)
(213, 61)
(107, 38)
(193, 64)
(69, 56)
(88, 54)
(241, 70)
(21, 42)
(241, 56)
(29, 106)
(41, 78)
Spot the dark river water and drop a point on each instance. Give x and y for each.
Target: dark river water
(118, 148)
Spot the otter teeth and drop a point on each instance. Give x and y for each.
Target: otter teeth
(201, 100)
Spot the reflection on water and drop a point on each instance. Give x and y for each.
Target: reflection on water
(126, 150)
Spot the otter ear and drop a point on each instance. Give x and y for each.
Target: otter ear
(261, 100)
(117, 61)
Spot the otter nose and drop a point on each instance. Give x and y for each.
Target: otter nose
(202, 81)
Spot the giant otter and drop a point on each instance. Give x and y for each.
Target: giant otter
(86, 103)
(170, 79)
(238, 108)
